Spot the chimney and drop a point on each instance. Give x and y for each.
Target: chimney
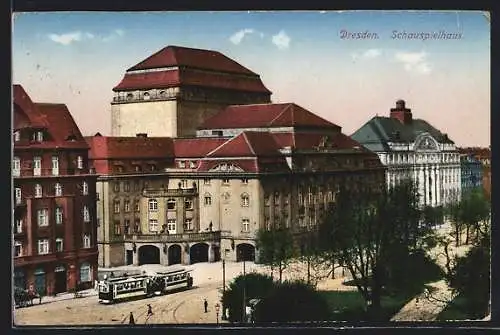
(142, 135)
(401, 113)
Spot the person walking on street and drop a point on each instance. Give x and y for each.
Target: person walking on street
(131, 320)
(150, 310)
(205, 304)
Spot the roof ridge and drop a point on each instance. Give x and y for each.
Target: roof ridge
(220, 146)
(282, 112)
(248, 143)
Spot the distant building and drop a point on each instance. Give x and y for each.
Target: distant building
(54, 233)
(483, 155)
(208, 195)
(173, 91)
(472, 173)
(414, 149)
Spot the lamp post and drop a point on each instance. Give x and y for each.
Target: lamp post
(244, 291)
(223, 316)
(217, 306)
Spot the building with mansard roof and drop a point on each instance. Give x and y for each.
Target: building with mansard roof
(54, 232)
(174, 90)
(414, 149)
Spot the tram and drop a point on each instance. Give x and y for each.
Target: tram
(115, 289)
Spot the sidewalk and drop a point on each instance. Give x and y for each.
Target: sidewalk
(66, 296)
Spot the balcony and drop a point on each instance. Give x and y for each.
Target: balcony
(175, 238)
(177, 192)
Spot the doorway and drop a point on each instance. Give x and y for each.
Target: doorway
(61, 279)
(130, 257)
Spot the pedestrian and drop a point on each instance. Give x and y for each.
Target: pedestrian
(150, 310)
(131, 320)
(205, 304)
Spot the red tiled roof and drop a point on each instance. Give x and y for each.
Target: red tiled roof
(190, 57)
(107, 147)
(196, 147)
(175, 78)
(476, 151)
(304, 141)
(265, 115)
(62, 126)
(257, 164)
(248, 144)
(26, 114)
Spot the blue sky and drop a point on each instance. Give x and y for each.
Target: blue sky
(76, 58)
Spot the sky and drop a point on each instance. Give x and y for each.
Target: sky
(344, 66)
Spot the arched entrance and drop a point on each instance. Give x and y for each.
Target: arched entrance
(174, 254)
(245, 252)
(199, 253)
(149, 254)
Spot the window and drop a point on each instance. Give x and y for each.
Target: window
(244, 181)
(18, 195)
(55, 166)
(43, 247)
(138, 168)
(117, 229)
(59, 245)
(37, 166)
(16, 167)
(127, 227)
(206, 181)
(225, 181)
(245, 200)
(86, 241)
(137, 186)
(86, 214)
(192, 164)
(137, 226)
(152, 167)
(182, 164)
(79, 162)
(39, 136)
(17, 136)
(116, 187)
(18, 249)
(172, 226)
(59, 215)
(137, 206)
(153, 225)
(188, 204)
(38, 191)
(126, 206)
(184, 183)
(208, 200)
(85, 273)
(43, 219)
(97, 196)
(19, 226)
(188, 224)
(58, 190)
(130, 96)
(126, 186)
(146, 96)
(153, 205)
(85, 188)
(245, 225)
(171, 204)
(116, 206)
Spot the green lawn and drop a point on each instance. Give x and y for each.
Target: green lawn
(350, 306)
(459, 309)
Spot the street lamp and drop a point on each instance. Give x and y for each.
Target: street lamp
(217, 306)
(223, 316)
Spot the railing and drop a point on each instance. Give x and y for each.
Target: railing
(169, 192)
(185, 237)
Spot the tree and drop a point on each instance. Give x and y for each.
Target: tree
(453, 212)
(256, 286)
(292, 301)
(276, 248)
(370, 231)
(474, 213)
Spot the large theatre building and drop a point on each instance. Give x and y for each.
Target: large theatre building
(54, 226)
(187, 192)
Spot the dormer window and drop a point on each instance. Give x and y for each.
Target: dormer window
(146, 96)
(192, 164)
(182, 164)
(37, 136)
(152, 167)
(130, 96)
(17, 136)
(79, 162)
(138, 168)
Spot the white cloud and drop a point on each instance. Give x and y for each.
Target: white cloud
(368, 54)
(281, 40)
(414, 61)
(78, 36)
(66, 39)
(238, 36)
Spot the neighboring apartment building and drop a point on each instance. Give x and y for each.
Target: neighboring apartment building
(472, 172)
(250, 167)
(54, 226)
(414, 149)
(174, 90)
(483, 155)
